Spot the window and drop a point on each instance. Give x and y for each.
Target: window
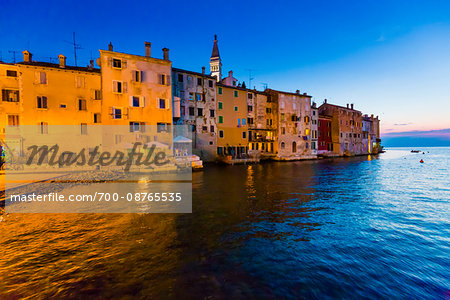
(191, 111)
(236, 94)
(180, 77)
(306, 131)
(199, 81)
(62, 106)
(117, 63)
(244, 135)
(220, 91)
(239, 122)
(282, 117)
(250, 96)
(211, 128)
(314, 113)
(42, 102)
(243, 121)
(81, 104)
(198, 97)
(117, 87)
(43, 77)
(200, 112)
(281, 104)
(220, 105)
(234, 82)
(161, 127)
(136, 76)
(97, 94)
(162, 103)
(220, 119)
(219, 150)
(83, 129)
(306, 119)
(210, 83)
(191, 96)
(268, 110)
(163, 79)
(212, 113)
(283, 130)
(205, 128)
(134, 127)
(13, 120)
(97, 118)
(235, 108)
(117, 113)
(221, 133)
(80, 82)
(10, 95)
(249, 107)
(306, 145)
(282, 145)
(135, 101)
(43, 127)
(250, 121)
(11, 73)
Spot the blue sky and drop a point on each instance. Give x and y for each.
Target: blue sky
(390, 58)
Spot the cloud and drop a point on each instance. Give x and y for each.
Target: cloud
(404, 124)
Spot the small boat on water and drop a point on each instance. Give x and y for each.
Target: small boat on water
(421, 161)
(415, 151)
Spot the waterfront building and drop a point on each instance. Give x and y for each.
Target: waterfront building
(324, 138)
(136, 90)
(194, 104)
(314, 129)
(232, 140)
(346, 128)
(294, 124)
(261, 124)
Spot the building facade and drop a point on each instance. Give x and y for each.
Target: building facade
(194, 102)
(346, 128)
(314, 129)
(324, 136)
(294, 124)
(232, 140)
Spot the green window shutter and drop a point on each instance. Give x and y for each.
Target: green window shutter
(220, 119)
(220, 105)
(235, 108)
(236, 94)
(220, 91)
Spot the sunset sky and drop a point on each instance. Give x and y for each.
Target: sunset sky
(390, 58)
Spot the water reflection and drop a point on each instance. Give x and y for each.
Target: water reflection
(359, 227)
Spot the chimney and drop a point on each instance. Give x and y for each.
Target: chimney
(347, 105)
(351, 105)
(371, 116)
(110, 47)
(91, 64)
(230, 74)
(165, 53)
(62, 61)
(27, 56)
(304, 94)
(203, 70)
(325, 101)
(148, 49)
(297, 92)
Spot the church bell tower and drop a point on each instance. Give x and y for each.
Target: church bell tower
(215, 62)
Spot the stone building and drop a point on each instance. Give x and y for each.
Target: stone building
(194, 103)
(314, 129)
(325, 142)
(346, 128)
(261, 124)
(294, 124)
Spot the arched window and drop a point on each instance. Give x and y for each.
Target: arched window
(294, 147)
(282, 145)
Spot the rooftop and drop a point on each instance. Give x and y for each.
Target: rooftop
(56, 66)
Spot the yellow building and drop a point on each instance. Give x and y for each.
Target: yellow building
(232, 127)
(136, 89)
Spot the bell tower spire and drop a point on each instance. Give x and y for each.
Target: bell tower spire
(215, 62)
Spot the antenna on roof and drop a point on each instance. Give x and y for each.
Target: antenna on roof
(250, 78)
(14, 55)
(265, 85)
(75, 48)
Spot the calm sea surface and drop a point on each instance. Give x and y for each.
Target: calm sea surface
(372, 227)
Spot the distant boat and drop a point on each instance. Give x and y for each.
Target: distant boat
(415, 151)
(421, 161)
